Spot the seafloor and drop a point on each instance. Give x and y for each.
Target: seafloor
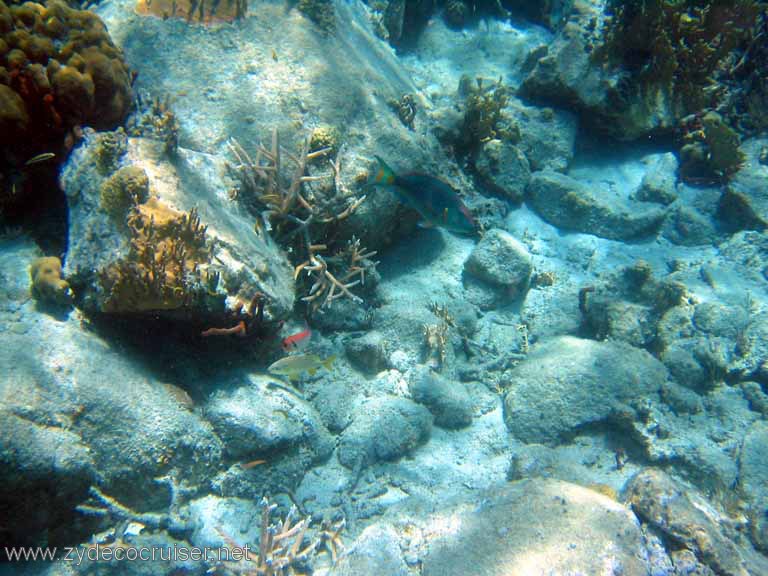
(579, 387)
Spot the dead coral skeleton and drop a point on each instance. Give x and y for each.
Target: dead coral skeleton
(284, 546)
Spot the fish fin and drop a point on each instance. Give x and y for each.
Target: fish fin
(328, 362)
(384, 175)
(312, 371)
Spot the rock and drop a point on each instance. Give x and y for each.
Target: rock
(384, 428)
(547, 135)
(686, 519)
(500, 260)
(659, 184)
(537, 526)
(375, 551)
(46, 471)
(566, 203)
(108, 254)
(504, 169)
(77, 411)
(744, 204)
(566, 383)
(686, 226)
(448, 401)
(753, 481)
(620, 320)
(566, 74)
(262, 418)
(367, 353)
(758, 400)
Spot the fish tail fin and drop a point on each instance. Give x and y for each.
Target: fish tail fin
(384, 175)
(328, 362)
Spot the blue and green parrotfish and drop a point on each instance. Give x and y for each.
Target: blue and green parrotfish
(436, 201)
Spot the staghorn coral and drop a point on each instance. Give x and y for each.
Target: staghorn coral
(59, 70)
(166, 268)
(284, 203)
(47, 283)
(284, 547)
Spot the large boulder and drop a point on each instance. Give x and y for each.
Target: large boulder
(571, 205)
(567, 383)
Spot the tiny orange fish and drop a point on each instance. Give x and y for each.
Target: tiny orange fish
(292, 342)
(252, 464)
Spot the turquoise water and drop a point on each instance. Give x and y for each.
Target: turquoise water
(384, 288)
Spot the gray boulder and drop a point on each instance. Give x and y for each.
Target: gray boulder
(570, 205)
(448, 401)
(566, 74)
(744, 203)
(367, 352)
(547, 135)
(499, 259)
(573, 529)
(659, 184)
(504, 169)
(384, 428)
(262, 417)
(375, 551)
(213, 261)
(753, 481)
(566, 383)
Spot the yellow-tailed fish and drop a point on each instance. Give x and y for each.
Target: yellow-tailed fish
(292, 367)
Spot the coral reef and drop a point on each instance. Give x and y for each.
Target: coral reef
(484, 119)
(166, 266)
(125, 189)
(194, 11)
(710, 150)
(320, 12)
(296, 214)
(47, 283)
(59, 70)
(692, 40)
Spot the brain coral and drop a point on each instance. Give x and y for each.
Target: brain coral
(58, 70)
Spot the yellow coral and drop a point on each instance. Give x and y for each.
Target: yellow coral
(125, 189)
(47, 284)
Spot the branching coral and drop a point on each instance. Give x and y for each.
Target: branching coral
(484, 119)
(166, 268)
(676, 46)
(284, 546)
(294, 213)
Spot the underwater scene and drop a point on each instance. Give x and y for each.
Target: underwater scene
(384, 287)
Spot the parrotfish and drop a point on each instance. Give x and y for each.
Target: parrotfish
(294, 366)
(435, 200)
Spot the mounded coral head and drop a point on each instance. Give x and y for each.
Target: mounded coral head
(325, 136)
(47, 284)
(125, 189)
(59, 70)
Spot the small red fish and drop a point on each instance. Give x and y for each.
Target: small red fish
(292, 342)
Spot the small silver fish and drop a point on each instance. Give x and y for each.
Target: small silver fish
(294, 366)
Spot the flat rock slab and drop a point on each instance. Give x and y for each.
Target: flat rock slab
(569, 204)
(537, 526)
